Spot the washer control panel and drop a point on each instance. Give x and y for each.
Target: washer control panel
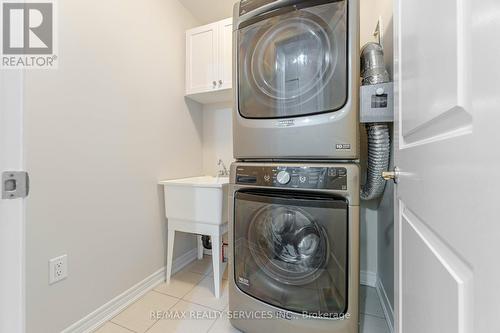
(293, 177)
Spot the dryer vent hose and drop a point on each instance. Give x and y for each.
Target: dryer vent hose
(373, 71)
(379, 148)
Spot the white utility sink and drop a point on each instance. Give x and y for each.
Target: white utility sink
(198, 199)
(198, 205)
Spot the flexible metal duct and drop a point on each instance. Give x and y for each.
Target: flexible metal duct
(373, 71)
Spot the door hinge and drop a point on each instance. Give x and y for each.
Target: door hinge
(15, 184)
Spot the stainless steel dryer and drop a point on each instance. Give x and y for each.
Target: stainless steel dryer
(296, 79)
(294, 248)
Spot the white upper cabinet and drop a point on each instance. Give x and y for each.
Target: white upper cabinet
(226, 53)
(209, 60)
(202, 58)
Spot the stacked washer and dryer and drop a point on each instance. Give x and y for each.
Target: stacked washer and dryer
(295, 189)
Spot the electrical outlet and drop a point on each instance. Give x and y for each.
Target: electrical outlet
(58, 269)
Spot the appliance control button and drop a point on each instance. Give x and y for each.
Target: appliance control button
(303, 179)
(267, 178)
(283, 177)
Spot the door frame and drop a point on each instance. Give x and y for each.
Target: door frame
(396, 142)
(12, 212)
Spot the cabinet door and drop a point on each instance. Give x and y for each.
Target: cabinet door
(225, 54)
(201, 59)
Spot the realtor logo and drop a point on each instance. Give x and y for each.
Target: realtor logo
(28, 39)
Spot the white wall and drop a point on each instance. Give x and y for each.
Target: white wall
(100, 132)
(371, 11)
(217, 136)
(210, 11)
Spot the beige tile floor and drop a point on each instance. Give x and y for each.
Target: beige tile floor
(191, 290)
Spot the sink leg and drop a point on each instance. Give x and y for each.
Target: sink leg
(170, 253)
(216, 261)
(200, 247)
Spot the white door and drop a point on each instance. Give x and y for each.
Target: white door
(202, 59)
(226, 54)
(11, 211)
(447, 148)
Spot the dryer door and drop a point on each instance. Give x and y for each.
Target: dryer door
(292, 62)
(291, 250)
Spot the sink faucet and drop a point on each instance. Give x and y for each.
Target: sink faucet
(223, 172)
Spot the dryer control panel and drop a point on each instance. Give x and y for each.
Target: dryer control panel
(247, 6)
(293, 177)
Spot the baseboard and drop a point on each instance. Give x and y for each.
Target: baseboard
(99, 317)
(368, 279)
(184, 260)
(386, 305)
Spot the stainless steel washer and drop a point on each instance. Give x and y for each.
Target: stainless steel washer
(296, 79)
(294, 247)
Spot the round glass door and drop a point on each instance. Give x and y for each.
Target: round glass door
(293, 64)
(293, 58)
(288, 245)
(291, 250)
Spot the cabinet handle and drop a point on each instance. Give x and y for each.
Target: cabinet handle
(215, 83)
(220, 82)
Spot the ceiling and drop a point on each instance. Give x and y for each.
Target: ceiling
(207, 11)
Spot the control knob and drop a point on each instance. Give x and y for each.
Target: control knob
(283, 177)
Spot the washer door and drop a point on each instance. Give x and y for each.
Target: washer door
(291, 250)
(294, 63)
(287, 244)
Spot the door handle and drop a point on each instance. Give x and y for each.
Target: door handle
(392, 175)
